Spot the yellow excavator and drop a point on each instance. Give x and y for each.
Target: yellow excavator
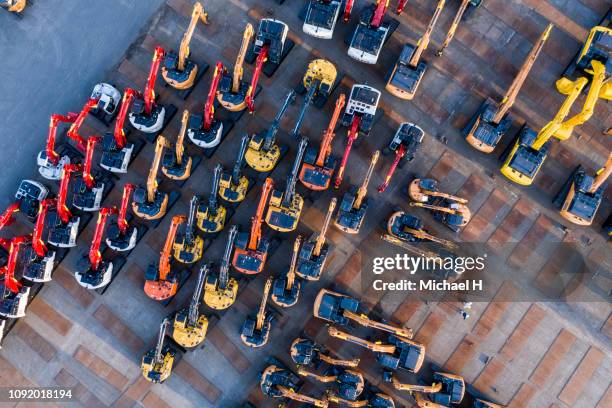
(305, 352)
(149, 203)
(14, 6)
(317, 83)
(596, 47)
(451, 210)
(456, 20)
(233, 187)
(277, 382)
(157, 363)
(178, 71)
(407, 228)
(446, 390)
(349, 383)
(175, 165)
(188, 247)
(314, 252)
(256, 330)
(211, 216)
(190, 325)
(221, 290)
(232, 89)
(286, 289)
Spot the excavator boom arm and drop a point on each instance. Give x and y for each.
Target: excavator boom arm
(196, 14)
(197, 295)
(37, 242)
(292, 179)
(294, 258)
(375, 347)
(363, 189)
(149, 93)
(239, 65)
(62, 208)
(129, 95)
(259, 63)
(237, 170)
(52, 156)
(256, 221)
(275, 125)
(73, 131)
(328, 136)
(399, 154)
(321, 236)
(95, 256)
(367, 322)
(165, 255)
(8, 270)
(91, 147)
(261, 313)
(125, 200)
(352, 136)
(225, 261)
(152, 178)
(424, 41)
(602, 175)
(379, 13)
(7, 217)
(209, 108)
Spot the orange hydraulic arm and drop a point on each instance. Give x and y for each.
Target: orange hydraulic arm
(95, 256)
(326, 143)
(166, 253)
(399, 154)
(149, 93)
(125, 201)
(256, 220)
(352, 136)
(128, 96)
(602, 175)
(8, 270)
(261, 59)
(91, 147)
(379, 13)
(6, 218)
(209, 108)
(62, 208)
(37, 242)
(52, 156)
(73, 132)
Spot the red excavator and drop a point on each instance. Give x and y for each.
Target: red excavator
(50, 163)
(116, 151)
(121, 236)
(314, 252)
(370, 34)
(174, 165)
(256, 329)
(93, 272)
(318, 167)
(75, 127)
(62, 225)
(88, 189)
(146, 115)
(252, 250)
(286, 289)
(204, 130)
(41, 260)
(232, 89)
(14, 294)
(405, 144)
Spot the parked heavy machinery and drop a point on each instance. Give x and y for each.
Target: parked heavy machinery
(40, 259)
(188, 247)
(321, 17)
(252, 250)
(354, 204)
(178, 70)
(263, 153)
(277, 382)
(348, 383)
(14, 6)
(145, 114)
(342, 309)
(313, 254)
(398, 353)
(408, 228)
(190, 325)
(405, 144)
(370, 34)
(427, 190)
(232, 89)
(29, 195)
(14, 294)
(149, 203)
(88, 189)
(108, 98)
(204, 130)
(121, 236)
(93, 272)
(583, 194)
(359, 117)
(286, 289)
(157, 363)
(211, 217)
(269, 45)
(305, 352)
(318, 83)
(595, 48)
(450, 210)
(116, 151)
(62, 225)
(256, 329)
(174, 164)
(161, 282)
(233, 186)
(456, 20)
(318, 167)
(447, 390)
(50, 163)
(374, 400)
(286, 206)
(75, 127)
(221, 290)
(491, 122)
(409, 69)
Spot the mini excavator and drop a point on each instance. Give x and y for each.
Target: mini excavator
(149, 203)
(221, 290)
(286, 289)
(121, 236)
(305, 352)
(456, 20)
(314, 252)
(286, 206)
(359, 118)
(204, 130)
(491, 122)
(188, 247)
(398, 353)
(406, 76)
(88, 189)
(447, 390)
(178, 70)
(40, 259)
(50, 163)
(93, 272)
(14, 294)
(269, 45)
(348, 383)
(28, 197)
(232, 89)
(405, 144)
(190, 325)
(252, 250)
(342, 309)
(14, 6)
(452, 211)
(62, 225)
(583, 194)
(233, 187)
(116, 151)
(317, 83)
(354, 204)
(145, 114)
(319, 166)
(157, 363)
(263, 153)
(256, 329)
(211, 216)
(161, 282)
(174, 165)
(277, 382)
(321, 17)
(370, 34)
(108, 98)
(409, 229)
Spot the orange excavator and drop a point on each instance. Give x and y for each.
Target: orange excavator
(93, 272)
(252, 250)
(51, 163)
(62, 225)
(149, 203)
(188, 246)
(121, 236)
(221, 290)
(116, 151)
(40, 259)
(174, 165)
(446, 390)
(145, 114)
(256, 329)
(204, 130)
(348, 383)
(305, 352)
(277, 382)
(232, 89)
(210, 215)
(161, 282)
(318, 167)
(14, 6)
(314, 252)
(178, 70)
(405, 144)
(463, 7)
(451, 210)
(286, 289)
(14, 294)
(88, 189)
(233, 187)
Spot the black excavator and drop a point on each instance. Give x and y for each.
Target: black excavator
(446, 390)
(188, 247)
(211, 216)
(305, 352)
(121, 236)
(348, 383)
(277, 382)
(255, 330)
(286, 289)
(233, 186)
(221, 290)
(314, 252)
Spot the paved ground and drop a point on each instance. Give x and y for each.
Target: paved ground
(521, 354)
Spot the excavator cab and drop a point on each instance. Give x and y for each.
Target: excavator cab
(313, 254)
(51, 163)
(93, 272)
(14, 294)
(188, 246)
(146, 115)
(405, 144)
(157, 363)
(447, 390)
(321, 17)
(318, 83)
(255, 330)
(149, 203)
(117, 152)
(88, 189)
(233, 90)
(370, 34)
(234, 185)
(277, 382)
(178, 70)
(211, 216)
(361, 107)
(121, 236)
(190, 325)
(348, 383)
(204, 130)
(597, 47)
(286, 289)
(30, 194)
(271, 36)
(221, 290)
(108, 98)
(62, 225)
(305, 352)
(40, 259)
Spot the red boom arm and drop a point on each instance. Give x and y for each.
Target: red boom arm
(149, 93)
(353, 132)
(128, 96)
(52, 156)
(209, 108)
(9, 269)
(399, 153)
(95, 256)
(91, 147)
(348, 7)
(73, 132)
(62, 209)
(379, 13)
(400, 6)
(37, 242)
(125, 201)
(261, 59)
(6, 218)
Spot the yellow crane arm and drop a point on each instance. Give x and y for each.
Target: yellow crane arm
(424, 235)
(435, 207)
(347, 403)
(375, 347)
(602, 175)
(367, 322)
(180, 139)
(321, 236)
(292, 395)
(453, 28)
(423, 402)
(294, 258)
(261, 313)
(337, 362)
(152, 178)
(321, 378)
(428, 389)
(424, 41)
(363, 189)
(197, 14)
(239, 66)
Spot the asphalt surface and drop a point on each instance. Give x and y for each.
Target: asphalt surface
(50, 60)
